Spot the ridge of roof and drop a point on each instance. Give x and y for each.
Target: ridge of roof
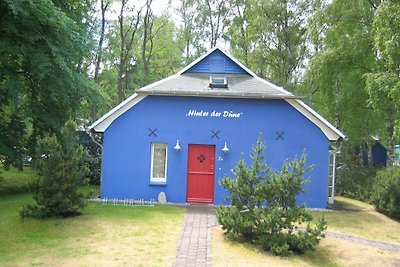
(328, 129)
(218, 93)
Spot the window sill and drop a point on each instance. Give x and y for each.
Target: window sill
(158, 183)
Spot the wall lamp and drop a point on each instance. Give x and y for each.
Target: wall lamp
(225, 149)
(177, 147)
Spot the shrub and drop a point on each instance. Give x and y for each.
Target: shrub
(353, 178)
(61, 170)
(386, 192)
(93, 159)
(263, 206)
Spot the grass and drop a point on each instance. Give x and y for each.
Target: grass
(354, 218)
(147, 236)
(102, 235)
(14, 181)
(360, 219)
(330, 252)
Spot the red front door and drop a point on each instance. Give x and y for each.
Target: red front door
(200, 178)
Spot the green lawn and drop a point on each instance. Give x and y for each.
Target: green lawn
(360, 219)
(102, 235)
(147, 236)
(14, 181)
(354, 218)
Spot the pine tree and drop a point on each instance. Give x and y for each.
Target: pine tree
(263, 207)
(61, 170)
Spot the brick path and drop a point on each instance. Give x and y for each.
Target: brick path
(194, 246)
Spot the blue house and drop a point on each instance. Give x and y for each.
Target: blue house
(184, 133)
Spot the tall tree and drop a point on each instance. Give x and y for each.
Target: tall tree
(279, 39)
(383, 83)
(104, 5)
(98, 58)
(152, 26)
(239, 30)
(188, 35)
(41, 50)
(213, 17)
(165, 56)
(128, 26)
(342, 36)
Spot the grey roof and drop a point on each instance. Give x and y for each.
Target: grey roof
(198, 84)
(249, 85)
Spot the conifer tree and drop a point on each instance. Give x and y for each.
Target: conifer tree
(61, 170)
(263, 208)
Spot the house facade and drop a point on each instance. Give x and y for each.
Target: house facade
(182, 134)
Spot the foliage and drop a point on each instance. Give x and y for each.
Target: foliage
(42, 79)
(61, 170)
(383, 82)
(341, 33)
(263, 206)
(188, 36)
(270, 37)
(386, 192)
(353, 178)
(93, 158)
(13, 133)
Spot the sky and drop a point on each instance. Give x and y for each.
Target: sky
(158, 6)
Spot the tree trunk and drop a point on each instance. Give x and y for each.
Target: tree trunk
(99, 55)
(120, 82)
(148, 25)
(121, 64)
(390, 136)
(20, 163)
(369, 151)
(337, 114)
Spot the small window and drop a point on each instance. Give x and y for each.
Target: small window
(158, 172)
(218, 82)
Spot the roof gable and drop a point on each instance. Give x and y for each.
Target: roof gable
(193, 80)
(216, 62)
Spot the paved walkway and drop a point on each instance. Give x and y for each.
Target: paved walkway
(364, 241)
(194, 246)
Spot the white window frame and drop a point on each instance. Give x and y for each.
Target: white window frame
(158, 179)
(218, 81)
(332, 175)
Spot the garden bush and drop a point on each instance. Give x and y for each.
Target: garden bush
(93, 159)
(386, 192)
(61, 170)
(353, 178)
(263, 206)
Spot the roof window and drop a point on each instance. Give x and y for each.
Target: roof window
(218, 82)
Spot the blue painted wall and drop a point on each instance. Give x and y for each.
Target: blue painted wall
(127, 144)
(379, 157)
(217, 62)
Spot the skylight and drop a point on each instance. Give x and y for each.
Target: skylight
(218, 82)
